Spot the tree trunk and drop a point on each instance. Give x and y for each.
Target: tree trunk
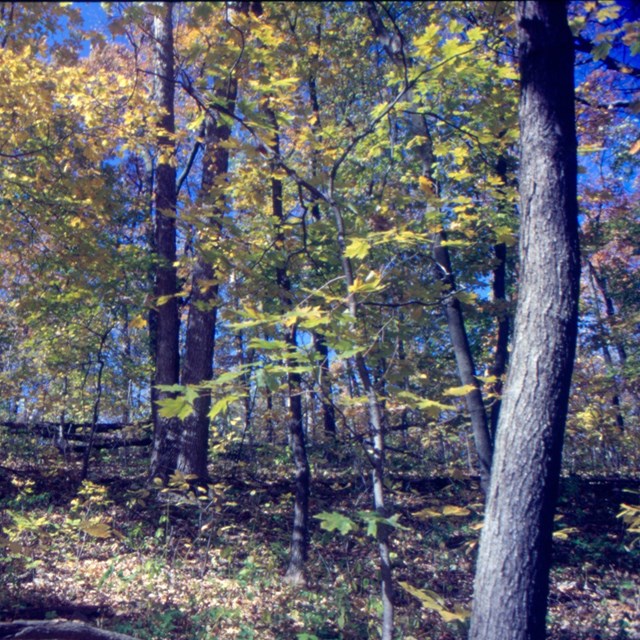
(201, 323)
(392, 43)
(464, 361)
(376, 450)
(511, 584)
(164, 453)
(501, 351)
(300, 533)
(326, 391)
(600, 284)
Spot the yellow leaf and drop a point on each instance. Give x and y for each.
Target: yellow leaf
(429, 599)
(458, 614)
(139, 322)
(460, 391)
(425, 514)
(563, 534)
(96, 529)
(452, 510)
(358, 248)
(635, 147)
(426, 185)
(467, 297)
(505, 236)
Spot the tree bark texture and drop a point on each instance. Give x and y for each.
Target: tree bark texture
(511, 584)
(167, 366)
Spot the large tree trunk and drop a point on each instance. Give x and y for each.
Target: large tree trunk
(164, 453)
(201, 323)
(512, 575)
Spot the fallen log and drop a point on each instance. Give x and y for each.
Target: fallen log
(56, 630)
(68, 428)
(114, 444)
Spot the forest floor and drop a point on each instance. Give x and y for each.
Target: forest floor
(165, 564)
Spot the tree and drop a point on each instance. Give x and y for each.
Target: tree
(166, 338)
(205, 279)
(511, 584)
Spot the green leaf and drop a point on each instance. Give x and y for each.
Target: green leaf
(222, 405)
(373, 520)
(601, 51)
(258, 343)
(358, 248)
(179, 407)
(334, 521)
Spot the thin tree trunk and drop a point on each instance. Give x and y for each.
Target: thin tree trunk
(512, 576)
(606, 353)
(377, 442)
(464, 360)
(326, 391)
(501, 351)
(393, 43)
(300, 534)
(164, 452)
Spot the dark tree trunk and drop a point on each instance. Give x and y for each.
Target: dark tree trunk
(164, 453)
(300, 533)
(501, 351)
(464, 360)
(512, 576)
(328, 409)
(201, 323)
(600, 284)
(393, 44)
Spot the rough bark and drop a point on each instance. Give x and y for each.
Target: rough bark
(164, 452)
(511, 584)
